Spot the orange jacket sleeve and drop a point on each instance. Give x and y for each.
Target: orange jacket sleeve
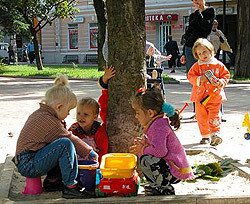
(194, 74)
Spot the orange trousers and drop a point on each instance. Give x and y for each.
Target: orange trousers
(208, 117)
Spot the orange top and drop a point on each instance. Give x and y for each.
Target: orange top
(200, 91)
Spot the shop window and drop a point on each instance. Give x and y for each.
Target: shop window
(164, 30)
(185, 22)
(93, 35)
(73, 36)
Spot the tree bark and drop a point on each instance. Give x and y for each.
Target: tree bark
(39, 63)
(126, 46)
(99, 6)
(242, 68)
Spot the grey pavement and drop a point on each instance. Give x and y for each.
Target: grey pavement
(19, 97)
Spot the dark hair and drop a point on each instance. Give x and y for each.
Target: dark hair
(153, 99)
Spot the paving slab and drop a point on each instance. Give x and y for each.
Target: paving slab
(19, 97)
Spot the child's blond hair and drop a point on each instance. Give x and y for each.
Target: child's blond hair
(60, 93)
(89, 102)
(204, 43)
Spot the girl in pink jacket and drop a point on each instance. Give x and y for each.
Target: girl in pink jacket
(208, 77)
(162, 157)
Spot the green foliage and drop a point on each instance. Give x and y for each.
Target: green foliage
(52, 71)
(18, 15)
(166, 78)
(232, 76)
(212, 171)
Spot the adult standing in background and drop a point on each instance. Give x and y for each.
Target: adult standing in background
(171, 48)
(216, 37)
(200, 26)
(31, 52)
(24, 52)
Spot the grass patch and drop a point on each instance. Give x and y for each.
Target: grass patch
(167, 78)
(74, 71)
(238, 79)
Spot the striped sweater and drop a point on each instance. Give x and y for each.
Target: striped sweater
(44, 127)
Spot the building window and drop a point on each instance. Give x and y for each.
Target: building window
(164, 31)
(185, 22)
(73, 36)
(93, 35)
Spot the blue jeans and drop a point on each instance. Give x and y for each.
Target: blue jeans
(60, 152)
(190, 60)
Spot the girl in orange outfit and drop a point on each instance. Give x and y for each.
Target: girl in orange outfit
(207, 114)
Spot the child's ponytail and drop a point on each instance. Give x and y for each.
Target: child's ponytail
(173, 115)
(61, 81)
(175, 120)
(60, 93)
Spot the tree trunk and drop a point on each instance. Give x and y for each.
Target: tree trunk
(242, 69)
(99, 6)
(39, 63)
(126, 43)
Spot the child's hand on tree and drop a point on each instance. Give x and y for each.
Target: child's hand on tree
(109, 73)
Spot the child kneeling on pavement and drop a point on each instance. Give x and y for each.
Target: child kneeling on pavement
(45, 144)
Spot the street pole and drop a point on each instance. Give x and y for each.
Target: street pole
(224, 28)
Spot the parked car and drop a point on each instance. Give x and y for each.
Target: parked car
(4, 54)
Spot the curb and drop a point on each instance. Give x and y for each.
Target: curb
(6, 178)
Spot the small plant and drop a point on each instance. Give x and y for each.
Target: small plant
(212, 171)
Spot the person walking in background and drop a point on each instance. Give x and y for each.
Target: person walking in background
(216, 37)
(171, 48)
(199, 26)
(208, 92)
(31, 52)
(24, 52)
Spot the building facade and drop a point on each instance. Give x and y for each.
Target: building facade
(162, 18)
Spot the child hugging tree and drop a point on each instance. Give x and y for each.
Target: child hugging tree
(44, 144)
